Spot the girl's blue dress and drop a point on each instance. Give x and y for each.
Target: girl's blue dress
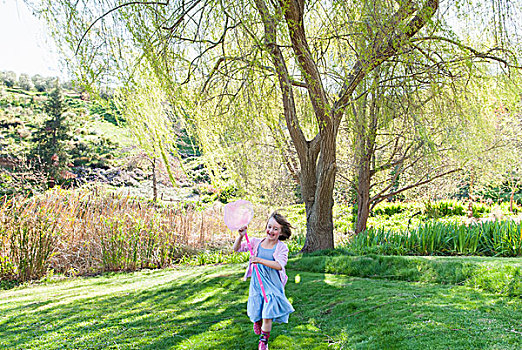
(278, 307)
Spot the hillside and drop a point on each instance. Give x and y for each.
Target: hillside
(100, 149)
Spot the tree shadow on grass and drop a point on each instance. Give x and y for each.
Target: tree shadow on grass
(205, 311)
(383, 314)
(161, 317)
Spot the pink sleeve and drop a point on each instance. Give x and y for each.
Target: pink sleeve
(282, 256)
(244, 245)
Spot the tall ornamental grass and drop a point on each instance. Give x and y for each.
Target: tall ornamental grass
(492, 238)
(85, 232)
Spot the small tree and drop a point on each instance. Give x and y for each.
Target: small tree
(50, 138)
(25, 82)
(39, 83)
(9, 78)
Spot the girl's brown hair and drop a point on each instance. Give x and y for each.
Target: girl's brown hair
(286, 228)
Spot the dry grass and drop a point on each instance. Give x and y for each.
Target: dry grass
(88, 232)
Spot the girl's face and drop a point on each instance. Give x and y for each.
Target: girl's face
(273, 230)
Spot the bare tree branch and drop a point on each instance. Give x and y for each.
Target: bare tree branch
(486, 55)
(380, 197)
(292, 121)
(181, 16)
(114, 9)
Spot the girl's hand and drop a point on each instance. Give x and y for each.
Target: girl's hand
(242, 231)
(255, 260)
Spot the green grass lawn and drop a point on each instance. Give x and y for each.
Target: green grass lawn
(205, 308)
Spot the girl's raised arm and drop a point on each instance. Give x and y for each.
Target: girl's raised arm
(237, 244)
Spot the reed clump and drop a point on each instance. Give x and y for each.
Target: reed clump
(89, 232)
(500, 238)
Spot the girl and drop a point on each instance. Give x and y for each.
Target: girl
(270, 254)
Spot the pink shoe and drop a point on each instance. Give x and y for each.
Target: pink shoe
(262, 345)
(257, 327)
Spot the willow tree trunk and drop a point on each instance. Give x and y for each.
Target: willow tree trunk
(317, 189)
(366, 120)
(363, 198)
(365, 151)
(319, 226)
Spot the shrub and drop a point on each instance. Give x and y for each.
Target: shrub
(29, 235)
(444, 208)
(479, 209)
(227, 193)
(390, 208)
(7, 269)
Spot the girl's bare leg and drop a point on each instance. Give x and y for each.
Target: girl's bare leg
(267, 325)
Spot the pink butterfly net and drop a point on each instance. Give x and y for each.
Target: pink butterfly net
(238, 214)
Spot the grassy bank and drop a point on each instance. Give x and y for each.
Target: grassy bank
(204, 308)
(497, 275)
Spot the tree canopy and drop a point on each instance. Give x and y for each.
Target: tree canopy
(262, 72)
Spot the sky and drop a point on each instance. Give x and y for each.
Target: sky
(25, 44)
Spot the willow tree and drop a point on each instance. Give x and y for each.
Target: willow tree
(151, 122)
(400, 138)
(407, 134)
(418, 118)
(219, 47)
